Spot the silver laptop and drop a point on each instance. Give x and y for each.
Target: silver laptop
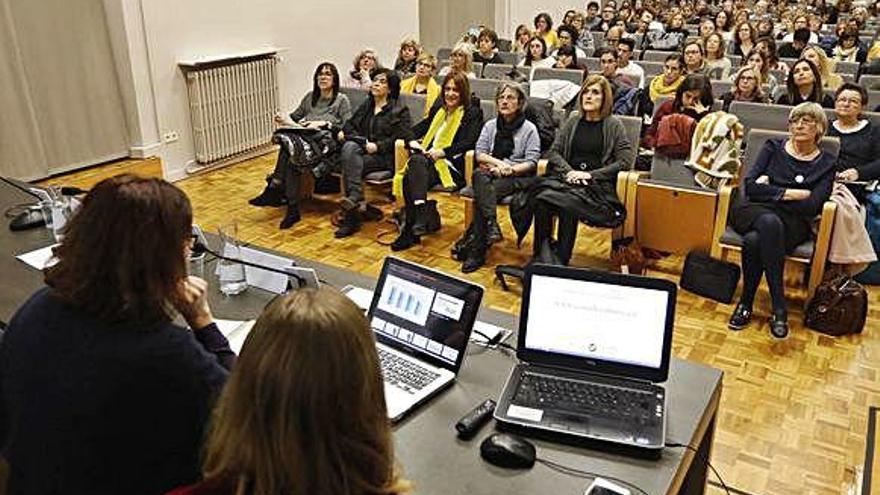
(593, 347)
(422, 320)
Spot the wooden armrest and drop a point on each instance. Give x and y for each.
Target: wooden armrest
(469, 158)
(724, 197)
(401, 155)
(823, 243)
(543, 165)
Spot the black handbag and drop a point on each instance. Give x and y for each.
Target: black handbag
(705, 276)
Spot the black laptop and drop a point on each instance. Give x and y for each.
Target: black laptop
(593, 347)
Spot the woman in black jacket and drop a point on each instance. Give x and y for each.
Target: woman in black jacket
(101, 392)
(442, 139)
(859, 157)
(369, 143)
(590, 149)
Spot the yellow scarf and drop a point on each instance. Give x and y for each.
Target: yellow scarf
(658, 89)
(442, 141)
(433, 91)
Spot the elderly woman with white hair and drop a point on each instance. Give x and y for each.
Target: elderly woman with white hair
(782, 193)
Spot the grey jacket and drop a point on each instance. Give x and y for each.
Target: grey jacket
(336, 113)
(617, 151)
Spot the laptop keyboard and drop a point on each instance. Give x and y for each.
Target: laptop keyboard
(585, 398)
(403, 373)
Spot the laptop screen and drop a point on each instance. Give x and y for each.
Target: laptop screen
(424, 312)
(604, 322)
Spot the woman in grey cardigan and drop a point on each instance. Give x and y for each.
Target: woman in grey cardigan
(589, 151)
(322, 108)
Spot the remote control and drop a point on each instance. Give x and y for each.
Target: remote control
(470, 424)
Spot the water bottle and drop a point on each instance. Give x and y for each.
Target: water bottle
(232, 277)
(60, 214)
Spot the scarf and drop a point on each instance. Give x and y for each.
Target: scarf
(503, 146)
(659, 89)
(846, 54)
(409, 86)
(440, 135)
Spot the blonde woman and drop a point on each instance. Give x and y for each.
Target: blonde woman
(461, 60)
(423, 83)
(816, 54)
(521, 38)
(289, 420)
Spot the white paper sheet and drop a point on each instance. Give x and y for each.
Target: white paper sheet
(264, 279)
(235, 331)
(39, 258)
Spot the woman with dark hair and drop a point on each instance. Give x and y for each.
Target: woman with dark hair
(566, 58)
(744, 37)
(767, 46)
(101, 391)
(506, 152)
(804, 84)
(590, 149)
(694, 57)
(437, 156)
(321, 108)
(364, 63)
(667, 84)
(544, 29)
(407, 55)
(746, 87)
(289, 421)
(848, 48)
(859, 157)
(368, 138)
(783, 192)
(692, 98)
(487, 42)
(536, 54)
(723, 22)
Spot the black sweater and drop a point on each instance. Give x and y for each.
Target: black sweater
(859, 150)
(465, 137)
(98, 408)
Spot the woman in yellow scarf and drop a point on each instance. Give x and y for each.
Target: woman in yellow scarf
(666, 83)
(423, 83)
(437, 156)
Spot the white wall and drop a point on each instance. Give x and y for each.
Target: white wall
(511, 13)
(312, 31)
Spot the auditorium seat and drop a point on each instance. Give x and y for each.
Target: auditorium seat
(813, 252)
(573, 75)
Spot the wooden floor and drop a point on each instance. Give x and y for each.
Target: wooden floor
(793, 416)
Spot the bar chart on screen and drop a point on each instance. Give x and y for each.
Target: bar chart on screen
(406, 300)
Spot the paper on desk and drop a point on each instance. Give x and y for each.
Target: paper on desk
(235, 331)
(364, 297)
(39, 258)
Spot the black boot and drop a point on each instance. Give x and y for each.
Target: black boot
(351, 223)
(779, 325)
(290, 218)
(419, 218)
(493, 231)
(406, 239)
(271, 196)
(474, 260)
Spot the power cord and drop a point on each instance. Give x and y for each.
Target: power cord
(686, 446)
(495, 341)
(579, 473)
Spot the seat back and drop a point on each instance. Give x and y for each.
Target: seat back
(873, 99)
(509, 57)
(871, 82)
(756, 138)
(720, 87)
(444, 53)
(592, 64)
(489, 109)
(415, 104)
(761, 115)
(572, 75)
(356, 96)
(504, 45)
(735, 60)
(485, 88)
(500, 71)
(652, 68)
(655, 55)
(633, 127)
(671, 171)
(843, 67)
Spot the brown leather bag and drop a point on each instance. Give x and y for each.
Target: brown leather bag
(839, 307)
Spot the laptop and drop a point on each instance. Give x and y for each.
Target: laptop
(593, 349)
(422, 320)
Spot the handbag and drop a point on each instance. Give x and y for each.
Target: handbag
(705, 276)
(627, 256)
(839, 307)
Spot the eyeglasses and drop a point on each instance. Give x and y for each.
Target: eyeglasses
(854, 101)
(430, 66)
(508, 98)
(802, 120)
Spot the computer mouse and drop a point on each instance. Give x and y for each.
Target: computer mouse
(28, 219)
(508, 451)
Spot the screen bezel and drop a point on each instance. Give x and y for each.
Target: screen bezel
(469, 315)
(654, 375)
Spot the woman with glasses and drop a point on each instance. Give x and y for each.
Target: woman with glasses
(407, 56)
(782, 193)
(757, 61)
(805, 85)
(423, 83)
(694, 57)
(506, 153)
(746, 87)
(743, 39)
(544, 29)
(461, 60)
(667, 83)
(859, 157)
(359, 76)
(767, 47)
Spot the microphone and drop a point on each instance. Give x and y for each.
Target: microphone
(199, 248)
(72, 191)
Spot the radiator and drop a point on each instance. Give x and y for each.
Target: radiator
(232, 106)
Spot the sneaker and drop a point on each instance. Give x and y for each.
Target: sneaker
(779, 326)
(269, 197)
(740, 318)
(493, 231)
(349, 226)
(291, 218)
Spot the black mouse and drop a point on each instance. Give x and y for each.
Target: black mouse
(508, 451)
(28, 219)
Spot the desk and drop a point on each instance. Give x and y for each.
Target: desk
(425, 441)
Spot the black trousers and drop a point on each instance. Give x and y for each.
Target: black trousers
(566, 230)
(356, 163)
(488, 189)
(763, 253)
(420, 177)
(286, 176)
